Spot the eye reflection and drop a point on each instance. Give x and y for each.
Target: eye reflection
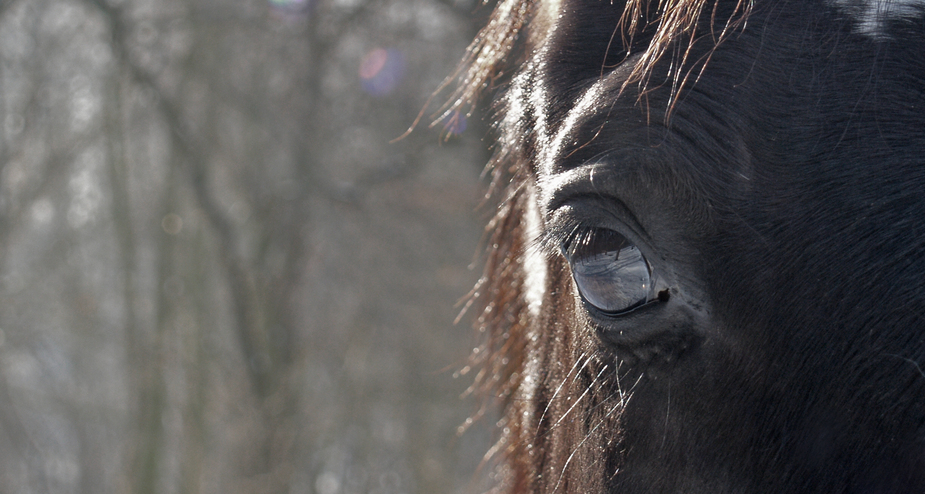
(611, 273)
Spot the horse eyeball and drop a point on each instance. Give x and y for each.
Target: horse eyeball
(610, 272)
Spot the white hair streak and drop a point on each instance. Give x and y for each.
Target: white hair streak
(534, 258)
(873, 15)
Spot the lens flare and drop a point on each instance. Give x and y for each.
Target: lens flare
(381, 70)
(454, 123)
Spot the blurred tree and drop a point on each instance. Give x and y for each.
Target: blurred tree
(218, 275)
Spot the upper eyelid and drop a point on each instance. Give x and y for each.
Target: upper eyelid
(586, 212)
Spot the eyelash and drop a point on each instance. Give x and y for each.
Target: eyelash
(556, 239)
(582, 236)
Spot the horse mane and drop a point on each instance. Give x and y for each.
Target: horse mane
(657, 23)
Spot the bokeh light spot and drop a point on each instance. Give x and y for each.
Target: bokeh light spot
(454, 123)
(381, 70)
(373, 63)
(172, 224)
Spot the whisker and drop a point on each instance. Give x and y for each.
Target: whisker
(583, 441)
(913, 362)
(625, 397)
(583, 355)
(577, 401)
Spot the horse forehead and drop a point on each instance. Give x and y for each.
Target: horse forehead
(873, 16)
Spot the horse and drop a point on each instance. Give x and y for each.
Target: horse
(706, 272)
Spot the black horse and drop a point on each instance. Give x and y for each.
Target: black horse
(707, 273)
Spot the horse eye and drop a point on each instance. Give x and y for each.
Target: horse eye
(611, 273)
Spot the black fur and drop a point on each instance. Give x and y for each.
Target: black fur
(775, 182)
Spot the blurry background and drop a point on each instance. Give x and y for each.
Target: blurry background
(218, 275)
